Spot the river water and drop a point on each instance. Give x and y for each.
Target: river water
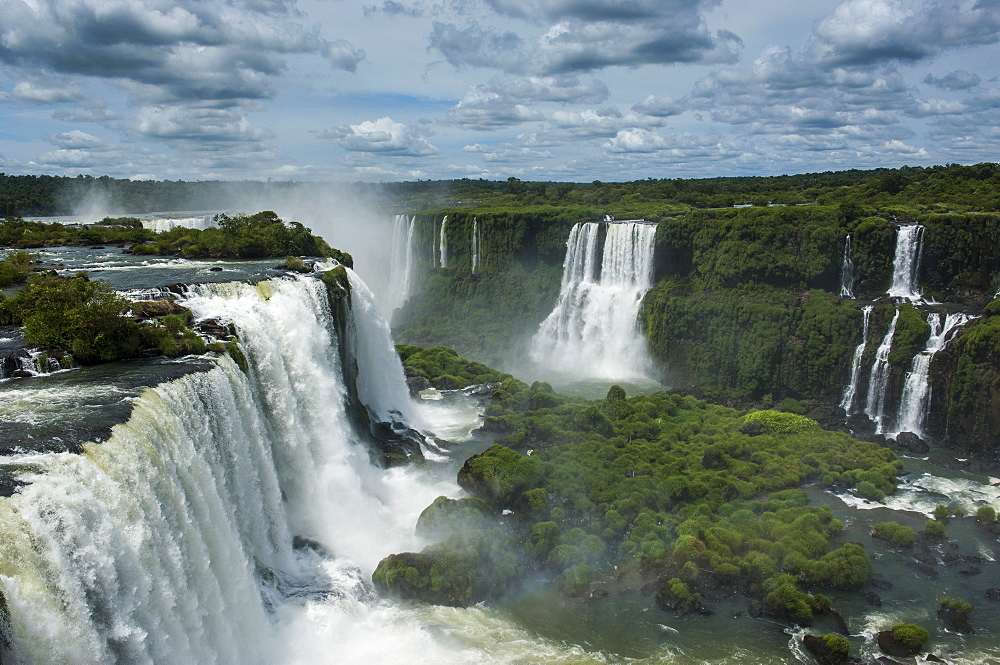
(316, 608)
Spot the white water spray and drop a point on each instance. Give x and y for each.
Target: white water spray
(170, 541)
(593, 331)
(851, 391)
(847, 271)
(401, 266)
(879, 378)
(475, 245)
(915, 400)
(443, 243)
(906, 263)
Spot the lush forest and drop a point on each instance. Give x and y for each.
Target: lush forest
(696, 498)
(948, 187)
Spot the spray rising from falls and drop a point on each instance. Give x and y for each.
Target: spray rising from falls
(401, 266)
(847, 402)
(847, 272)
(443, 243)
(178, 538)
(593, 331)
(879, 378)
(915, 400)
(906, 263)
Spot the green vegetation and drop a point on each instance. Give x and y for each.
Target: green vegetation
(895, 533)
(445, 369)
(76, 315)
(16, 232)
(934, 529)
(257, 236)
(15, 268)
(262, 235)
(986, 514)
(911, 636)
(956, 605)
(670, 486)
(837, 643)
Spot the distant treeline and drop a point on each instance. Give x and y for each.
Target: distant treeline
(966, 188)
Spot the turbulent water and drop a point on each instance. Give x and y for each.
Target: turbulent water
(593, 330)
(847, 402)
(906, 263)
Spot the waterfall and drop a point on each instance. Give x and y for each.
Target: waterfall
(475, 244)
(383, 385)
(847, 271)
(593, 330)
(443, 243)
(906, 263)
(174, 541)
(916, 390)
(875, 407)
(847, 402)
(401, 267)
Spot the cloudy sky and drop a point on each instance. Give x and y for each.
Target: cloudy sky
(538, 89)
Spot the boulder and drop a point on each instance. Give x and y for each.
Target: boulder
(992, 593)
(912, 443)
(873, 599)
(822, 652)
(890, 646)
(956, 620)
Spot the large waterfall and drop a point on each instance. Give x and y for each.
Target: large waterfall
(915, 399)
(906, 263)
(847, 271)
(226, 513)
(593, 331)
(847, 402)
(401, 266)
(879, 378)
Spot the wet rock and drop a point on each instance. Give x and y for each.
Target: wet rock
(822, 652)
(881, 583)
(931, 658)
(945, 461)
(873, 599)
(956, 621)
(215, 269)
(992, 593)
(890, 646)
(912, 443)
(157, 308)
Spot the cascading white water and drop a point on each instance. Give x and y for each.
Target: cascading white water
(384, 391)
(475, 244)
(173, 540)
(443, 243)
(593, 330)
(913, 403)
(401, 266)
(879, 378)
(906, 263)
(847, 402)
(847, 271)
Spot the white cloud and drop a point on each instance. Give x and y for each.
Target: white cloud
(383, 136)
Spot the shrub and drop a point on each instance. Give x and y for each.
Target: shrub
(895, 533)
(986, 514)
(956, 605)
(934, 529)
(837, 643)
(912, 636)
(941, 512)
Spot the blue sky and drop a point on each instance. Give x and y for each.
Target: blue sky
(315, 90)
